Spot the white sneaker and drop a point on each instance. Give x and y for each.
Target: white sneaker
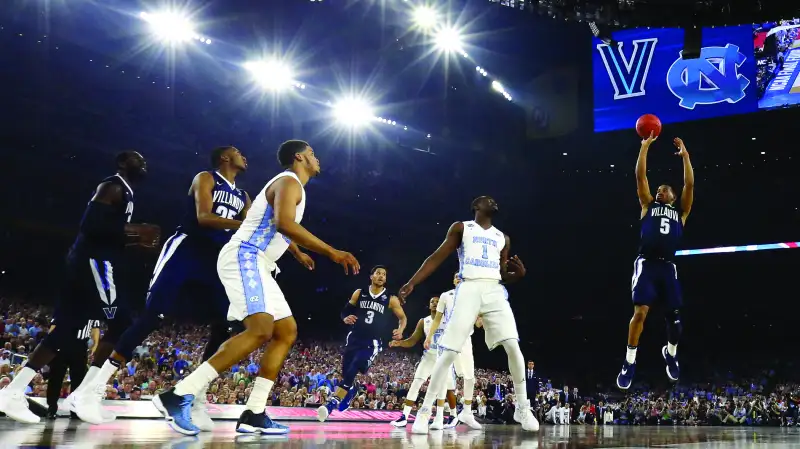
(15, 406)
(438, 422)
(69, 405)
(200, 416)
(420, 426)
(524, 416)
(468, 418)
(402, 421)
(451, 422)
(88, 405)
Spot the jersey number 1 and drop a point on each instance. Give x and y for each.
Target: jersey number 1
(664, 226)
(370, 317)
(485, 252)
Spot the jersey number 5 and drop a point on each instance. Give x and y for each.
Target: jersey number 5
(370, 317)
(664, 226)
(485, 252)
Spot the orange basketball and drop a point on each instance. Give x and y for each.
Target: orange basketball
(646, 124)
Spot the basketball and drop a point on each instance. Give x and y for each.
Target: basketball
(646, 124)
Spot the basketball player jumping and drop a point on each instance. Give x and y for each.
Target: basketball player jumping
(655, 277)
(423, 332)
(244, 267)
(89, 291)
(483, 257)
(367, 314)
(464, 365)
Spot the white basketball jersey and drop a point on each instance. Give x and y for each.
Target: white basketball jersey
(426, 325)
(479, 253)
(258, 228)
(446, 302)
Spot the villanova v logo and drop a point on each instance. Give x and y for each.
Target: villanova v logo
(628, 75)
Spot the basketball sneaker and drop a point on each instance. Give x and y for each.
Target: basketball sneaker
(420, 426)
(200, 416)
(468, 418)
(673, 370)
(15, 406)
(177, 410)
(402, 421)
(625, 376)
(251, 422)
(325, 410)
(524, 416)
(87, 404)
(438, 422)
(451, 422)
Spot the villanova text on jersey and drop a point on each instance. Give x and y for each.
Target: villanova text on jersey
(662, 230)
(483, 261)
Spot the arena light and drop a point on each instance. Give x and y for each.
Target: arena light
(353, 112)
(172, 27)
(736, 249)
(498, 86)
(272, 75)
(448, 39)
(424, 17)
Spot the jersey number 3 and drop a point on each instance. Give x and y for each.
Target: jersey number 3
(370, 317)
(664, 228)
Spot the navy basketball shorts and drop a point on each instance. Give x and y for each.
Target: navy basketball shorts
(656, 280)
(358, 359)
(184, 262)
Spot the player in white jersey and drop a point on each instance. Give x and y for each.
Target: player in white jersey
(425, 329)
(464, 365)
(484, 263)
(244, 267)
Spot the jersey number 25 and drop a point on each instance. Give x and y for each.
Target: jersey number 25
(224, 212)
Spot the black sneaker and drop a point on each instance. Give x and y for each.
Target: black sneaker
(250, 422)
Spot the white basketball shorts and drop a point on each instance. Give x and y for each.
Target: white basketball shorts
(488, 299)
(425, 365)
(246, 275)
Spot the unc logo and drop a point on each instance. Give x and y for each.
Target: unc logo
(711, 79)
(628, 75)
(254, 299)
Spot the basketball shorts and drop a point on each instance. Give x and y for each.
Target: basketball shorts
(184, 262)
(425, 365)
(656, 280)
(478, 297)
(89, 292)
(358, 358)
(245, 273)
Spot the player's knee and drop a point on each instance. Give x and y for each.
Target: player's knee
(260, 327)
(639, 315)
(286, 331)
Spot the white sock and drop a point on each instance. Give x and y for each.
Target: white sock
(516, 367)
(22, 379)
(439, 410)
(204, 374)
(87, 379)
(469, 390)
(439, 377)
(672, 349)
(630, 355)
(520, 392)
(257, 402)
(105, 374)
(407, 410)
(201, 393)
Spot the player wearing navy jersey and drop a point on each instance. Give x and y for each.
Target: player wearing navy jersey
(89, 291)
(655, 277)
(483, 264)
(245, 266)
(367, 314)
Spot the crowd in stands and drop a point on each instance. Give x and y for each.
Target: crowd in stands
(312, 373)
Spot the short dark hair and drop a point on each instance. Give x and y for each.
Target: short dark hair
(217, 153)
(475, 202)
(376, 268)
(123, 157)
(288, 149)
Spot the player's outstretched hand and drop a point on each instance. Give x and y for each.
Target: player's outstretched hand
(515, 267)
(680, 146)
(649, 140)
(305, 260)
(347, 260)
(404, 292)
(350, 320)
(397, 334)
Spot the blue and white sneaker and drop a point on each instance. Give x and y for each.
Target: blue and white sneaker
(625, 376)
(325, 410)
(177, 410)
(673, 370)
(450, 422)
(251, 422)
(402, 421)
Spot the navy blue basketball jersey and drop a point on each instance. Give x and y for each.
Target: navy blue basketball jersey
(373, 319)
(106, 244)
(228, 202)
(662, 229)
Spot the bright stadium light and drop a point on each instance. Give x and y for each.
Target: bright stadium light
(353, 112)
(424, 17)
(271, 75)
(448, 39)
(171, 27)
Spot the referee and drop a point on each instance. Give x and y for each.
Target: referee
(73, 356)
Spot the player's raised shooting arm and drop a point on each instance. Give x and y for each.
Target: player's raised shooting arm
(642, 186)
(687, 196)
(203, 189)
(287, 194)
(397, 308)
(414, 338)
(450, 244)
